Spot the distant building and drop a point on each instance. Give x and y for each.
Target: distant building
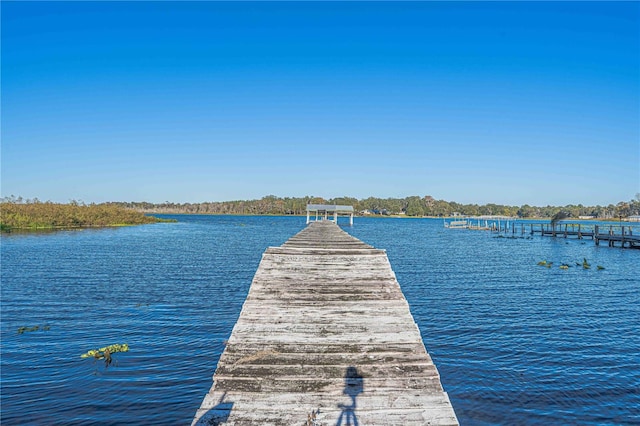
(634, 218)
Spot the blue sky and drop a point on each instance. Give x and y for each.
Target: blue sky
(496, 102)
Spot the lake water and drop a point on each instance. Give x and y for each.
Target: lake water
(515, 343)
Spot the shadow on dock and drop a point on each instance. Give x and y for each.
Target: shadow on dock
(353, 386)
(219, 414)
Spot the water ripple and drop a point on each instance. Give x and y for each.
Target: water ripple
(515, 343)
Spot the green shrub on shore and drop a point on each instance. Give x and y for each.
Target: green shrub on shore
(48, 215)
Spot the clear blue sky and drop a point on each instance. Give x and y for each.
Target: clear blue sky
(498, 102)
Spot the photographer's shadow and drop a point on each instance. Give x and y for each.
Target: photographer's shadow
(353, 386)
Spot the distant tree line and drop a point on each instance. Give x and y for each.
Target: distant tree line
(409, 206)
(16, 213)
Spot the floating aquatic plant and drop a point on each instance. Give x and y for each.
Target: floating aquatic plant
(34, 328)
(585, 264)
(105, 353)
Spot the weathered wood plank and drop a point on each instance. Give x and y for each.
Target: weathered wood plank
(325, 327)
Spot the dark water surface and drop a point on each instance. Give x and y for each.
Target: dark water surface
(515, 343)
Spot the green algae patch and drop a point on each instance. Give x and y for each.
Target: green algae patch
(22, 330)
(106, 352)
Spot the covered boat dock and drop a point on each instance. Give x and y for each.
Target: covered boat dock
(322, 212)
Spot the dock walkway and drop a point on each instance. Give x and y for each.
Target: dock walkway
(325, 337)
(611, 234)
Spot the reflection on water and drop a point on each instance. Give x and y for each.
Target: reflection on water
(515, 343)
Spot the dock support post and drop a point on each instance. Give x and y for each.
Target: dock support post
(610, 236)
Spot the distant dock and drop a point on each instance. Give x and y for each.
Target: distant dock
(613, 235)
(325, 337)
(481, 223)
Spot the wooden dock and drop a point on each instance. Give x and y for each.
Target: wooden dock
(611, 234)
(325, 337)
(564, 230)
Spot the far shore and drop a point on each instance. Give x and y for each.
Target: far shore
(391, 216)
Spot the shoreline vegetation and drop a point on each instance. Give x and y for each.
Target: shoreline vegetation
(413, 206)
(43, 216)
(19, 214)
